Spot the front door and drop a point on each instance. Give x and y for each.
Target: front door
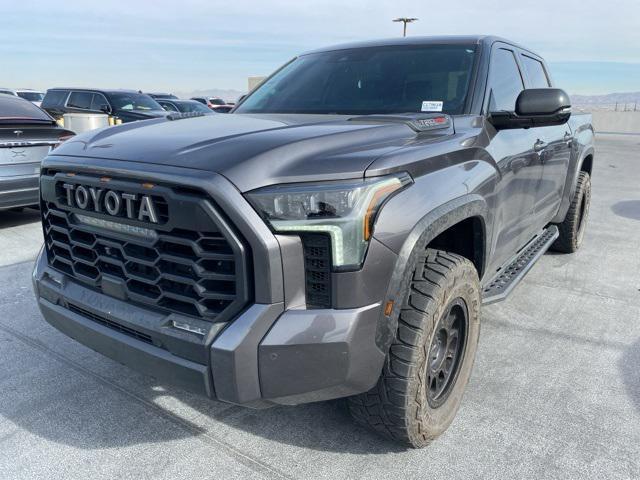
(518, 162)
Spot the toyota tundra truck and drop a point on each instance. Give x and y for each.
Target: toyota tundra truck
(334, 236)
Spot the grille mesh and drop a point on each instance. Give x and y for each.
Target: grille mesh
(183, 271)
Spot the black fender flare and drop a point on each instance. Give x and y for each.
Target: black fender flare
(570, 186)
(426, 229)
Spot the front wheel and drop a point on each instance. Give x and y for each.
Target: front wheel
(429, 363)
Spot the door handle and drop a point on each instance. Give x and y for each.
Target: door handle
(539, 145)
(568, 138)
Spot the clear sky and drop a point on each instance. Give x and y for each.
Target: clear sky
(186, 45)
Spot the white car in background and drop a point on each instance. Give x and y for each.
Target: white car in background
(34, 96)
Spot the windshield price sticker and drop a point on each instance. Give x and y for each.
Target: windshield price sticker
(431, 106)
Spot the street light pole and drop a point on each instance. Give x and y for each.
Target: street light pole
(404, 21)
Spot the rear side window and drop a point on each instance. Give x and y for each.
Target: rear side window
(535, 72)
(505, 81)
(54, 98)
(80, 100)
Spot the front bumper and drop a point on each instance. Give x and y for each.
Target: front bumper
(267, 355)
(18, 191)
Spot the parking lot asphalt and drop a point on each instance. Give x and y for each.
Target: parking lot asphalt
(555, 391)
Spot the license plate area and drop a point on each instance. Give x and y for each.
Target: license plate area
(19, 155)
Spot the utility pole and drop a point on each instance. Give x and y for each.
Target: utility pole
(404, 21)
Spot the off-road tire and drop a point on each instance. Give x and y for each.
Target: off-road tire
(574, 224)
(398, 407)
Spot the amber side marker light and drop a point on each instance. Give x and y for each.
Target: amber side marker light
(388, 308)
(148, 185)
(373, 207)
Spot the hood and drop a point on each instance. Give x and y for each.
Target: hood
(250, 150)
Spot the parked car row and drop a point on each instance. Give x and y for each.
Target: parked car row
(30, 126)
(216, 104)
(34, 96)
(27, 135)
(127, 105)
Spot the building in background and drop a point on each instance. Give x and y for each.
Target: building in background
(253, 82)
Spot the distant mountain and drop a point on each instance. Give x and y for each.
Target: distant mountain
(608, 99)
(228, 95)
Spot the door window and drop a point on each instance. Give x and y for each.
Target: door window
(535, 72)
(80, 100)
(505, 81)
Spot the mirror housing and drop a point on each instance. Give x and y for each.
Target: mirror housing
(535, 107)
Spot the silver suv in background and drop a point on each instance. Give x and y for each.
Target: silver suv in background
(34, 96)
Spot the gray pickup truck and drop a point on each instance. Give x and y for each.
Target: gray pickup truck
(334, 236)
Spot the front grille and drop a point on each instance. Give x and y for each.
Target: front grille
(317, 268)
(191, 265)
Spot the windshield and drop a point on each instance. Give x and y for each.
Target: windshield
(31, 96)
(372, 80)
(133, 101)
(192, 106)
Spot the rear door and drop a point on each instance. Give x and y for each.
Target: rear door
(514, 154)
(79, 102)
(552, 147)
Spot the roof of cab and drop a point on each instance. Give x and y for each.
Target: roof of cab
(421, 40)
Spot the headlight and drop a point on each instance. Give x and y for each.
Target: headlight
(345, 210)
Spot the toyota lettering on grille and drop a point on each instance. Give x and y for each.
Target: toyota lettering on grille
(99, 200)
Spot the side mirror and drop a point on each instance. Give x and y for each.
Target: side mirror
(105, 108)
(535, 107)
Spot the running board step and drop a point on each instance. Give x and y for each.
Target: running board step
(509, 276)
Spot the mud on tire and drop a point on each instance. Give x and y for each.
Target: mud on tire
(402, 405)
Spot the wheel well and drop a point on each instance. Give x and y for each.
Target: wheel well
(587, 164)
(466, 238)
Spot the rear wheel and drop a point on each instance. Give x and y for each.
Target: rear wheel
(573, 227)
(430, 361)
